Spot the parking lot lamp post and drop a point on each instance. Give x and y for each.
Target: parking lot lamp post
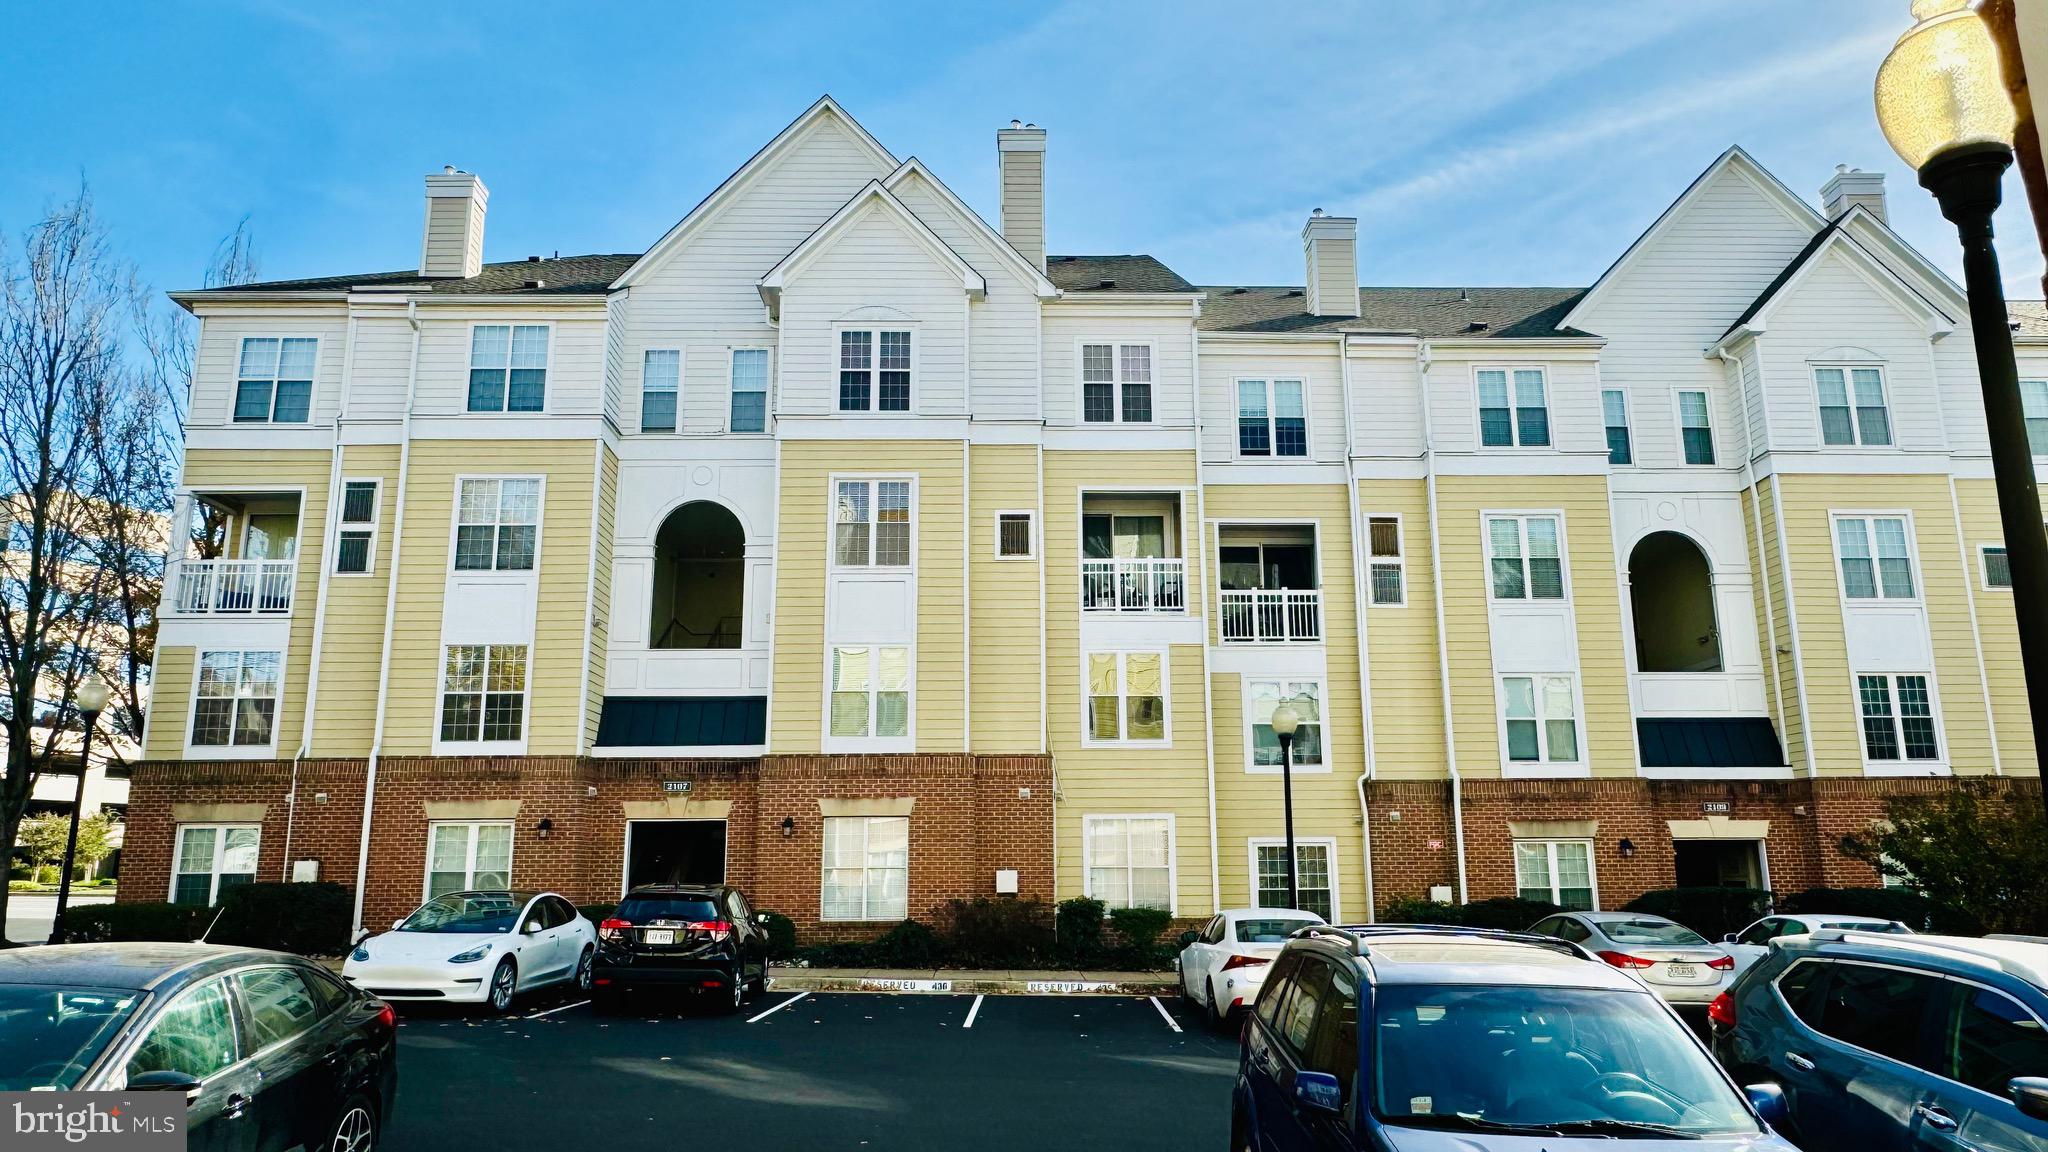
(1943, 105)
(91, 697)
(1285, 721)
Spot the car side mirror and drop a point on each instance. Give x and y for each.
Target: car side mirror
(1319, 1091)
(1769, 1102)
(1729, 938)
(761, 918)
(2031, 1094)
(532, 927)
(166, 1080)
(1187, 938)
(397, 924)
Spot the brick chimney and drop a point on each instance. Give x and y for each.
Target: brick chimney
(1331, 245)
(453, 242)
(1020, 154)
(1849, 187)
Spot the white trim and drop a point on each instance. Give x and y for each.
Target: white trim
(1116, 346)
(1984, 568)
(232, 751)
(1550, 844)
(469, 857)
(867, 914)
(829, 743)
(1848, 368)
(792, 264)
(1543, 765)
(874, 330)
(1252, 845)
(626, 857)
(1272, 455)
(481, 747)
(1522, 518)
(456, 524)
(873, 481)
(1902, 765)
(1088, 820)
(1030, 530)
(1976, 632)
(1678, 393)
(1787, 584)
(1869, 517)
(1123, 695)
(1246, 682)
(1043, 288)
(1398, 561)
(584, 737)
(511, 326)
(270, 419)
(1514, 409)
(374, 527)
(213, 873)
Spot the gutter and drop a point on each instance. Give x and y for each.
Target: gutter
(1423, 353)
(1361, 601)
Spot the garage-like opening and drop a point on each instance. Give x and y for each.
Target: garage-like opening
(1672, 590)
(674, 852)
(1718, 863)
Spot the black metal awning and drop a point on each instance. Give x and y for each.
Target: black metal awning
(682, 721)
(1710, 742)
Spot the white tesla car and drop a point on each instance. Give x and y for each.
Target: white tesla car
(1223, 966)
(477, 948)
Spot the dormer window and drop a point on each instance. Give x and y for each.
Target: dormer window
(874, 370)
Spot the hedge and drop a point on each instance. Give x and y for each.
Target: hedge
(1711, 912)
(102, 923)
(311, 919)
(1507, 913)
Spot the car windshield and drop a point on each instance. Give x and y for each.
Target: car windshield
(51, 1034)
(1478, 1057)
(1650, 932)
(641, 909)
(1271, 930)
(466, 912)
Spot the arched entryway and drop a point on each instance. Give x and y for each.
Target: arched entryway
(699, 578)
(1672, 588)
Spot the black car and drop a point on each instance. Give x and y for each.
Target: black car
(696, 937)
(273, 1051)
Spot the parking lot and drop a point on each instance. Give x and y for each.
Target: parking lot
(817, 1070)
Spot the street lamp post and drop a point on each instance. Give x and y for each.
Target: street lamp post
(1285, 720)
(91, 697)
(1943, 106)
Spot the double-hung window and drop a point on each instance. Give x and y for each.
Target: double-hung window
(1312, 875)
(1127, 697)
(866, 868)
(1614, 410)
(661, 380)
(508, 368)
(2034, 405)
(1513, 409)
(213, 857)
(1307, 698)
(1898, 718)
(1388, 575)
(468, 856)
(1852, 407)
(356, 539)
(1877, 561)
(1695, 427)
(1116, 383)
(871, 691)
(749, 390)
(497, 525)
(874, 370)
(1540, 714)
(275, 382)
(1524, 559)
(483, 694)
(1556, 872)
(237, 703)
(871, 524)
(1272, 418)
(1129, 860)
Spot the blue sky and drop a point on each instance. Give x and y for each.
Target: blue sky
(1504, 142)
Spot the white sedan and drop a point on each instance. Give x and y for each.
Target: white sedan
(1223, 965)
(1754, 942)
(477, 948)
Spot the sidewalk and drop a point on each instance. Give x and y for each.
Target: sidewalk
(1017, 982)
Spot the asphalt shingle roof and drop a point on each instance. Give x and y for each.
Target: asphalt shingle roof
(1080, 274)
(559, 276)
(1433, 313)
(2029, 317)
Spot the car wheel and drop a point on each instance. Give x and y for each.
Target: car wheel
(1240, 1136)
(584, 964)
(504, 985)
(1187, 999)
(1219, 1018)
(733, 1003)
(355, 1129)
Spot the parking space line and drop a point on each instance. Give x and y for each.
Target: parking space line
(778, 1007)
(1163, 1013)
(971, 1013)
(557, 1008)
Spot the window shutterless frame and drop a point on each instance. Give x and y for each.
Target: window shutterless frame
(661, 389)
(483, 694)
(1541, 712)
(740, 364)
(1016, 534)
(356, 523)
(1846, 527)
(275, 380)
(1853, 422)
(1263, 431)
(270, 662)
(1614, 413)
(498, 524)
(1522, 519)
(1089, 863)
(1891, 699)
(471, 828)
(1122, 373)
(1551, 868)
(846, 359)
(182, 865)
(1329, 846)
(1121, 659)
(1993, 568)
(1288, 688)
(505, 394)
(858, 497)
(1526, 390)
(1685, 404)
(1386, 555)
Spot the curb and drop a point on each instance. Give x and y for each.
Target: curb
(966, 984)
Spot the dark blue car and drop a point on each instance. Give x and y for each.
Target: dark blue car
(1405, 1039)
(1887, 1043)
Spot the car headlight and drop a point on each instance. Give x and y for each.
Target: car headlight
(472, 956)
(361, 953)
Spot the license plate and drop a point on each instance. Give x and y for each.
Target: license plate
(1683, 971)
(658, 936)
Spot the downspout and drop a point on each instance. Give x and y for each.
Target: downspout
(412, 379)
(1202, 575)
(1423, 354)
(1361, 598)
(1756, 505)
(967, 534)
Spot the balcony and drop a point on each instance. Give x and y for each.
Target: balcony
(1134, 585)
(231, 587)
(1277, 615)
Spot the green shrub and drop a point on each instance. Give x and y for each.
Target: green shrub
(838, 954)
(1505, 913)
(1976, 848)
(308, 919)
(1077, 931)
(100, 923)
(1904, 905)
(597, 913)
(22, 885)
(1711, 912)
(781, 935)
(907, 945)
(996, 932)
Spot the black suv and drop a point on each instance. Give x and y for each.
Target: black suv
(702, 938)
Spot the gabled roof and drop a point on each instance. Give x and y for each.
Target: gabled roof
(1773, 189)
(557, 276)
(874, 196)
(1835, 237)
(1429, 313)
(725, 193)
(1004, 250)
(1081, 275)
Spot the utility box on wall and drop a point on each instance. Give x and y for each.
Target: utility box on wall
(1006, 881)
(305, 871)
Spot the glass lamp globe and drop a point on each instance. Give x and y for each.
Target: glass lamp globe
(91, 694)
(1941, 87)
(1285, 719)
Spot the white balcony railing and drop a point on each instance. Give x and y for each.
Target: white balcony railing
(1272, 614)
(1134, 585)
(231, 587)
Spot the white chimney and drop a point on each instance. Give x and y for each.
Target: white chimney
(453, 243)
(1849, 187)
(1020, 153)
(1331, 244)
